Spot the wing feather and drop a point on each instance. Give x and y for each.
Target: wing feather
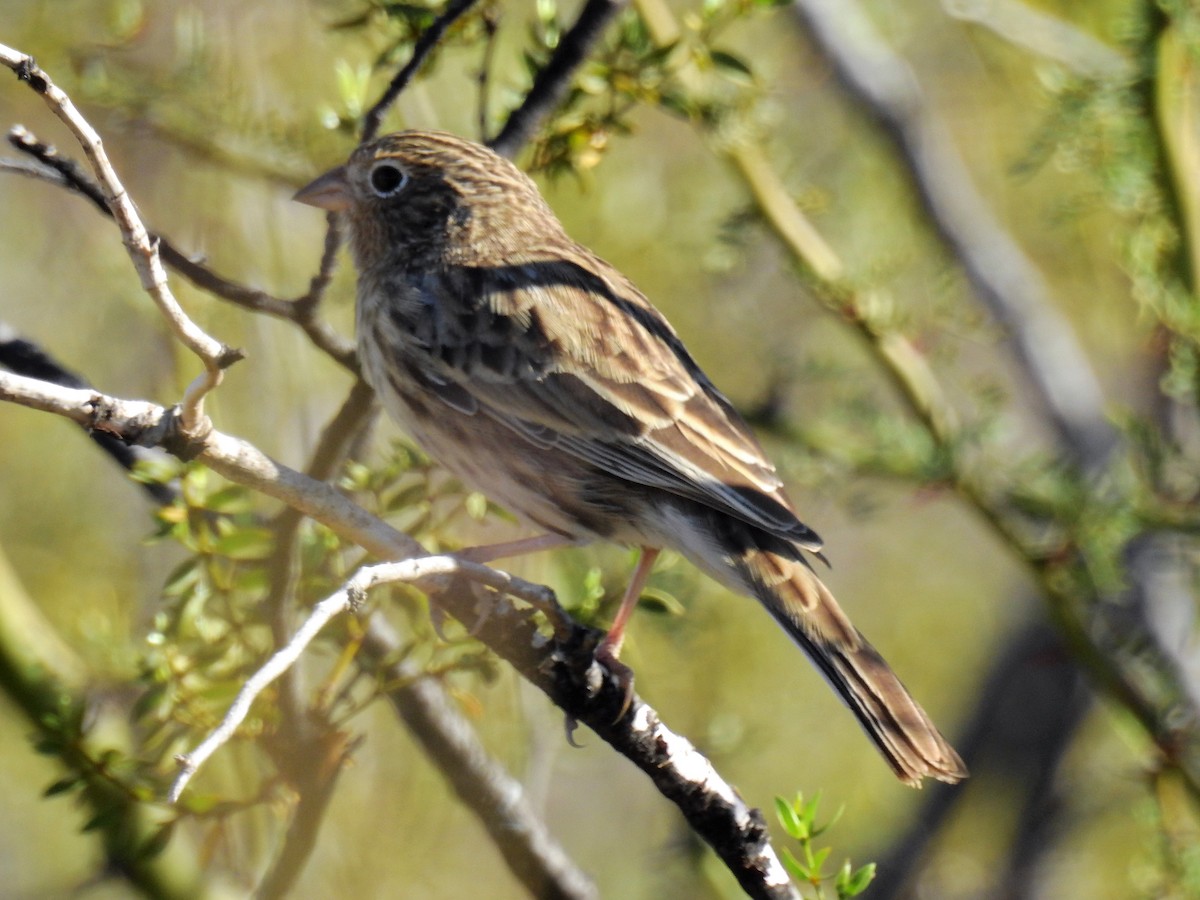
(573, 356)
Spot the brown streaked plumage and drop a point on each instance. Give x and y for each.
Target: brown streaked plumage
(539, 374)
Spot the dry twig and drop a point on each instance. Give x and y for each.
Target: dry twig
(214, 355)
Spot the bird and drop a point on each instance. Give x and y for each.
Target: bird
(538, 374)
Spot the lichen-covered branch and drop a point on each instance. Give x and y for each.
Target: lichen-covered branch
(561, 663)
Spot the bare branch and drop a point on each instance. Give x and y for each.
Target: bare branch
(424, 46)
(426, 572)
(552, 81)
(26, 358)
(500, 801)
(562, 664)
(32, 170)
(906, 366)
(1044, 34)
(214, 355)
(67, 173)
(274, 667)
(491, 27)
(1005, 279)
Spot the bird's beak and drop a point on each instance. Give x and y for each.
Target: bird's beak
(331, 191)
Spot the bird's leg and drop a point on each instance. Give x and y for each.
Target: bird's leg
(485, 553)
(606, 652)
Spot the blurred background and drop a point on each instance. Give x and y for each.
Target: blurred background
(215, 112)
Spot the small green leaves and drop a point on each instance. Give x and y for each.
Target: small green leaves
(799, 820)
(476, 505)
(852, 882)
(62, 786)
(157, 842)
(791, 820)
(353, 83)
(731, 64)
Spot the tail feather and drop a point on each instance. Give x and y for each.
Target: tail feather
(806, 609)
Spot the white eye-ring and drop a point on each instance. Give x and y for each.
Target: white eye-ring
(387, 178)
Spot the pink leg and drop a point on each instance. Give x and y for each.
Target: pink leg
(611, 645)
(487, 552)
(606, 652)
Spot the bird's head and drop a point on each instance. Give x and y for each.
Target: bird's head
(423, 198)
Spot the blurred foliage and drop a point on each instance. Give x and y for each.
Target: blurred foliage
(1112, 130)
(213, 628)
(1106, 164)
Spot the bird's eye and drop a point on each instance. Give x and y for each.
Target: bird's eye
(387, 179)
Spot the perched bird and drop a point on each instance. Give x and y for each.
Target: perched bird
(539, 375)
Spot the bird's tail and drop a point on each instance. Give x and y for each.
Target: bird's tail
(804, 606)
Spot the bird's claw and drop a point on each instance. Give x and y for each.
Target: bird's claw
(571, 724)
(620, 673)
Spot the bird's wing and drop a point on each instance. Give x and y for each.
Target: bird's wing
(570, 354)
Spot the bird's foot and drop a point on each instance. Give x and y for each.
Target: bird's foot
(621, 674)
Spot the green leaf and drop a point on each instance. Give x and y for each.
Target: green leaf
(655, 600)
(796, 868)
(148, 701)
(245, 543)
(659, 54)
(155, 470)
(231, 499)
(182, 579)
(158, 841)
(62, 786)
(837, 815)
(730, 63)
(250, 579)
(677, 102)
(476, 505)
(411, 495)
(819, 860)
(352, 83)
(808, 814)
(48, 746)
(851, 884)
(103, 819)
(788, 818)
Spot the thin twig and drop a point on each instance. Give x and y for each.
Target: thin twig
(552, 82)
(67, 173)
(27, 358)
(425, 45)
(214, 355)
(1005, 279)
(427, 572)
(561, 663)
(308, 750)
(286, 657)
(905, 365)
(1023, 24)
(490, 30)
(500, 801)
